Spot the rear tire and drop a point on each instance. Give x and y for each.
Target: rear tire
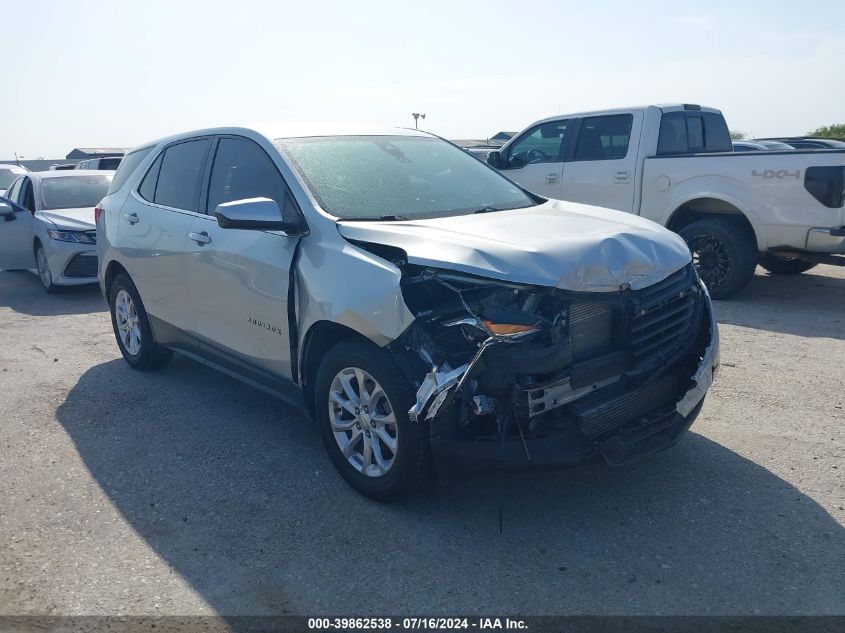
(132, 327)
(359, 442)
(724, 253)
(785, 265)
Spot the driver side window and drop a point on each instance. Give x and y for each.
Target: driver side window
(544, 143)
(14, 190)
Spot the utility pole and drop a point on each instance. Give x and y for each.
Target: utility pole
(417, 116)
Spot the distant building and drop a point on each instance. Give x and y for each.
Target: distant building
(81, 153)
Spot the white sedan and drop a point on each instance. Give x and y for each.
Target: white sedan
(48, 224)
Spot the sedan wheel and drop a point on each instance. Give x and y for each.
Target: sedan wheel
(363, 422)
(128, 326)
(44, 272)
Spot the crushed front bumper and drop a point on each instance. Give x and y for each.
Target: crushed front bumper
(647, 432)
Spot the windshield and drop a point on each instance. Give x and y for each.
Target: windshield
(73, 191)
(7, 177)
(398, 177)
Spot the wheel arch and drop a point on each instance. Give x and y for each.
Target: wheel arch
(699, 207)
(113, 269)
(320, 337)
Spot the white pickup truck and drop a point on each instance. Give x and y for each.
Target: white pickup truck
(674, 164)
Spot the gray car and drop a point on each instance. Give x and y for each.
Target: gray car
(428, 313)
(48, 225)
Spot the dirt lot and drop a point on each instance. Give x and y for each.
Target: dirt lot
(185, 492)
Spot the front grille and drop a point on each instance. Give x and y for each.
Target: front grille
(597, 415)
(664, 316)
(81, 266)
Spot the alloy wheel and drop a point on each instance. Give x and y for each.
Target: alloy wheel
(711, 258)
(43, 267)
(128, 326)
(363, 422)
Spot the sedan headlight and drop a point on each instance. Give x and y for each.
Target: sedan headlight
(80, 237)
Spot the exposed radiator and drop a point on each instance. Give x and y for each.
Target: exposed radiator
(598, 415)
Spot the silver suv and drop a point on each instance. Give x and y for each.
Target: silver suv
(430, 314)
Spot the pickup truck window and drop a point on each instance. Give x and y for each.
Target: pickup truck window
(826, 184)
(541, 144)
(693, 133)
(604, 137)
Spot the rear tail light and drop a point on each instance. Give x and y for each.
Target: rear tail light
(98, 210)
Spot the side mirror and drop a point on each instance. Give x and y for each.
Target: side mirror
(7, 211)
(254, 213)
(494, 159)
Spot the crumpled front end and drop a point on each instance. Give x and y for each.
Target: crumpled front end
(518, 375)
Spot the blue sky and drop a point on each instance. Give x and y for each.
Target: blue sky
(88, 73)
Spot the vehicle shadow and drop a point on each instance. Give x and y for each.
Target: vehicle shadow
(21, 291)
(811, 304)
(236, 493)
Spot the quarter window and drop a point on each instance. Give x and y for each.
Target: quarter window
(243, 170)
(180, 174)
(604, 137)
(147, 190)
(543, 144)
(127, 167)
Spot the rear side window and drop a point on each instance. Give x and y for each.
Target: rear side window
(127, 167)
(604, 137)
(692, 133)
(109, 163)
(180, 174)
(826, 184)
(243, 170)
(147, 190)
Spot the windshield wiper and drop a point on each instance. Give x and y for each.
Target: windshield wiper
(487, 209)
(380, 218)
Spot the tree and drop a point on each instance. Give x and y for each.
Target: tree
(837, 131)
(735, 135)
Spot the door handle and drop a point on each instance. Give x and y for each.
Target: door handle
(132, 218)
(622, 177)
(551, 178)
(200, 238)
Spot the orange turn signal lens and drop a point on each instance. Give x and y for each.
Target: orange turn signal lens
(506, 329)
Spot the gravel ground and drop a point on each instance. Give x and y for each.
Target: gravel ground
(185, 492)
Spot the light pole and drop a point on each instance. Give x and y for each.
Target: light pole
(417, 116)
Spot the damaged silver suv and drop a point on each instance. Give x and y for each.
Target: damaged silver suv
(429, 313)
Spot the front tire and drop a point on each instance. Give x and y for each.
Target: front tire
(724, 253)
(785, 265)
(45, 275)
(361, 402)
(132, 327)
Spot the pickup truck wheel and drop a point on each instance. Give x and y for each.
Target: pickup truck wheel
(724, 253)
(361, 401)
(132, 327)
(784, 265)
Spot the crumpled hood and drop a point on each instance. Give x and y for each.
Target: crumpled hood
(70, 219)
(562, 244)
